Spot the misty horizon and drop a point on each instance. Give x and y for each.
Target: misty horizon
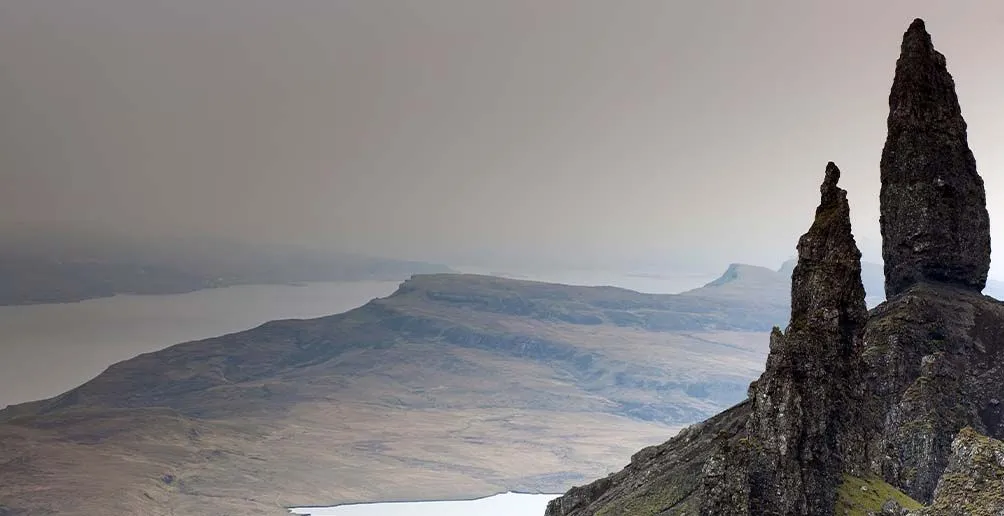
(678, 135)
(267, 257)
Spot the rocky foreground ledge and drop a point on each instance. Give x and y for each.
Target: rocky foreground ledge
(893, 411)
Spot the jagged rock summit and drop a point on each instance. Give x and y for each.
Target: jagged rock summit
(893, 411)
(780, 451)
(934, 219)
(799, 416)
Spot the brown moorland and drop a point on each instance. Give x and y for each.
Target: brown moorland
(455, 386)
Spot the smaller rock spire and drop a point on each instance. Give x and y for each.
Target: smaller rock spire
(934, 220)
(827, 277)
(804, 400)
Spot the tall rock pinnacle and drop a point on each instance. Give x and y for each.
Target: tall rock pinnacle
(805, 399)
(934, 219)
(861, 412)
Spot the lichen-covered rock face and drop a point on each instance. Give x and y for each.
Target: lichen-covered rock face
(973, 484)
(726, 478)
(933, 364)
(934, 220)
(804, 420)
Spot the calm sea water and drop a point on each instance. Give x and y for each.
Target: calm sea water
(49, 349)
(508, 504)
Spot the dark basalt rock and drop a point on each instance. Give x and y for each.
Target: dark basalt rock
(973, 484)
(726, 478)
(934, 220)
(827, 295)
(933, 364)
(802, 419)
(779, 452)
(861, 413)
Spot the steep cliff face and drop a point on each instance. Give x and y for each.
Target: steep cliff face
(934, 365)
(857, 412)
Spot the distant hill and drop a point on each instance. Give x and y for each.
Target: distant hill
(454, 386)
(54, 268)
(772, 288)
(491, 384)
(872, 277)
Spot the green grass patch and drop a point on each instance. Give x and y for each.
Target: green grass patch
(857, 496)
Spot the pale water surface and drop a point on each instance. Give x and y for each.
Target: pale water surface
(508, 504)
(51, 348)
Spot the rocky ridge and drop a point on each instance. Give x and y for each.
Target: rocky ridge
(892, 411)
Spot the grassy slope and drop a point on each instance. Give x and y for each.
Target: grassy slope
(861, 496)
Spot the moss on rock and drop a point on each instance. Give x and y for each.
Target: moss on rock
(973, 484)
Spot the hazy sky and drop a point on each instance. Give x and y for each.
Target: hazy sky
(570, 130)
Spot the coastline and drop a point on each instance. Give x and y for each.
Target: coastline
(391, 502)
(68, 300)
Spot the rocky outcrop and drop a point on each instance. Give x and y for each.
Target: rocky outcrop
(934, 349)
(863, 413)
(934, 364)
(934, 219)
(670, 479)
(973, 484)
(779, 452)
(802, 420)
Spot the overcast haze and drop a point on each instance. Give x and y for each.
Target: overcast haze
(569, 131)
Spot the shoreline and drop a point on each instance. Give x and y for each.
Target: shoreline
(388, 502)
(71, 300)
